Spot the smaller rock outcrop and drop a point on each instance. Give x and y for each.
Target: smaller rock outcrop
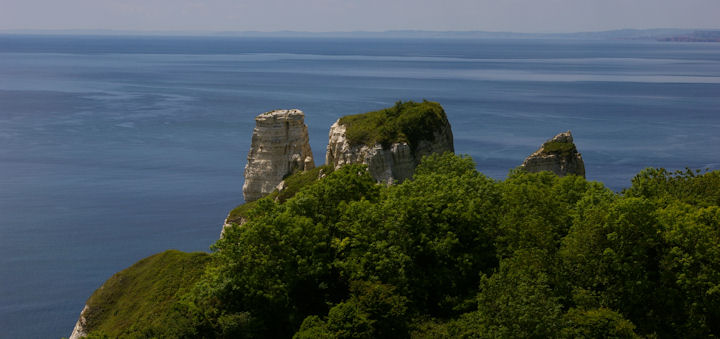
(280, 146)
(391, 154)
(558, 155)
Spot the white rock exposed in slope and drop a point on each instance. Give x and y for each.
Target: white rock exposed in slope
(392, 164)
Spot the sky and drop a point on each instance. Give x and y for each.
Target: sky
(531, 16)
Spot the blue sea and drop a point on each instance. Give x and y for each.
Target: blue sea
(115, 148)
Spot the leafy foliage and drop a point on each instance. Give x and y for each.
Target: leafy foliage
(688, 186)
(372, 311)
(518, 300)
(284, 271)
(597, 323)
(452, 253)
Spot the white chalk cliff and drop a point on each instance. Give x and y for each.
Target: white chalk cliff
(280, 146)
(558, 155)
(387, 165)
(80, 329)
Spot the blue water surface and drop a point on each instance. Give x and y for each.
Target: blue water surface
(115, 148)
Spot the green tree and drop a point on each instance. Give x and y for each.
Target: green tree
(517, 301)
(429, 236)
(373, 311)
(279, 264)
(691, 265)
(610, 257)
(597, 323)
(692, 187)
(537, 210)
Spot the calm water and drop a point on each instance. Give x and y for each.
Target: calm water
(112, 149)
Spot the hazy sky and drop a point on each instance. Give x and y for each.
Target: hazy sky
(349, 15)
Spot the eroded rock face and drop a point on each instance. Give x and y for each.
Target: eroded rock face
(280, 146)
(558, 155)
(80, 329)
(388, 165)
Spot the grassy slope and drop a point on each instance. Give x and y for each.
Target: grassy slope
(405, 122)
(142, 296)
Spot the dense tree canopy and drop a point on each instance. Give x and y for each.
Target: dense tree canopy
(452, 253)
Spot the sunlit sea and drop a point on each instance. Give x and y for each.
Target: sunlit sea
(115, 148)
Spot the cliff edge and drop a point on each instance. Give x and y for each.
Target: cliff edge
(558, 155)
(143, 300)
(280, 146)
(392, 141)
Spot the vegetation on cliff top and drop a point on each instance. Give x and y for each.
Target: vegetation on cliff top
(562, 148)
(144, 299)
(452, 253)
(405, 122)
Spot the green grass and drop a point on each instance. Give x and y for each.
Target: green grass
(405, 122)
(564, 148)
(142, 298)
(293, 184)
(241, 211)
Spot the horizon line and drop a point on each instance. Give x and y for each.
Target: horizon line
(71, 31)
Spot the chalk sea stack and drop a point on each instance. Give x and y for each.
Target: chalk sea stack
(280, 146)
(558, 155)
(392, 141)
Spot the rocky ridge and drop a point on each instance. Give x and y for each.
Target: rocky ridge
(280, 146)
(558, 155)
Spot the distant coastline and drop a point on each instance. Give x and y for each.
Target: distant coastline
(696, 36)
(659, 34)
